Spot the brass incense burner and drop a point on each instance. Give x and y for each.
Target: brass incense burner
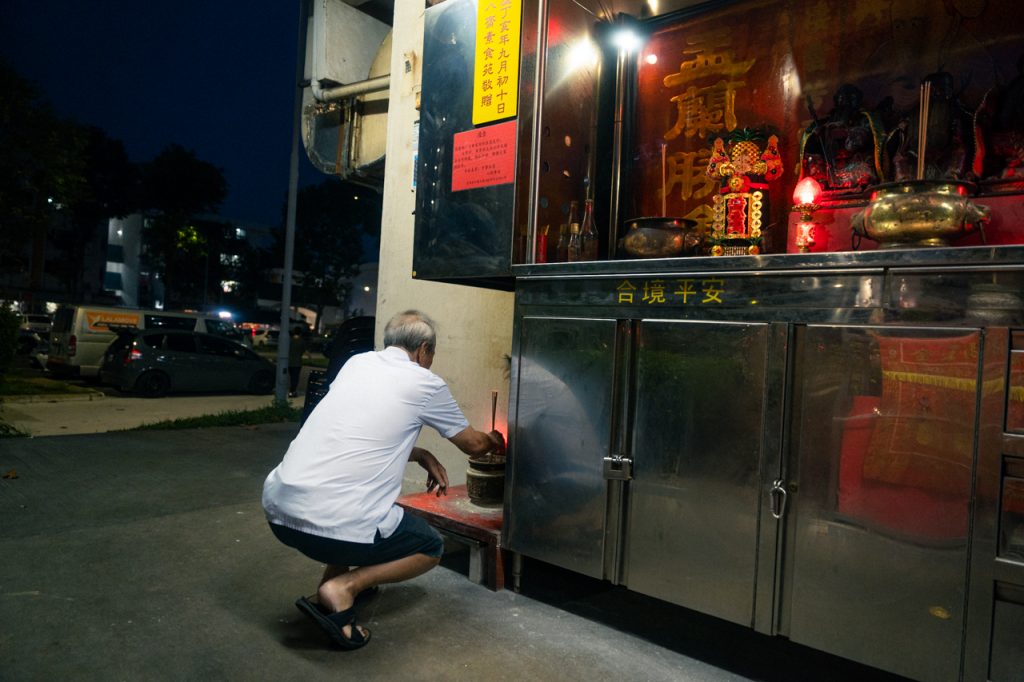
(661, 237)
(917, 213)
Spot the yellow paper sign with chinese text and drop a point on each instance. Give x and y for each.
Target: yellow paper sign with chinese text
(496, 71)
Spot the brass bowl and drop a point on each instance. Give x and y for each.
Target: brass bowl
(919, 213)
(661, 237)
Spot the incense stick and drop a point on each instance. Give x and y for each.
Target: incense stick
(664, 192)
(494, 407)
(922, 127)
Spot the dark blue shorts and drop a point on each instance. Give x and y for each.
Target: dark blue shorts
(412, 536)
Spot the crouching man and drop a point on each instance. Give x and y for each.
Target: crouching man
(333, 495)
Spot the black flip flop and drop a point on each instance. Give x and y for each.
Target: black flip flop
(332, 624)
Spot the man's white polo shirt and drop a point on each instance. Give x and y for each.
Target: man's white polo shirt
(343, 471)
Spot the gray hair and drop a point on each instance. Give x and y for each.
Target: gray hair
(409, 330)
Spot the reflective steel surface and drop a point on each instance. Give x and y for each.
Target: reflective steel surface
(460, 235)
(881, 470)
(561, 437)
(693, 518)
(889, 445)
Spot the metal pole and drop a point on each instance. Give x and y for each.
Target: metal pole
(352, 89)
(621, 65)
(284, 338)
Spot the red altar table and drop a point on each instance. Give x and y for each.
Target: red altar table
(471, 524)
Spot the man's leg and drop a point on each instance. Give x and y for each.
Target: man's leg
(338, 592)
(331, 571)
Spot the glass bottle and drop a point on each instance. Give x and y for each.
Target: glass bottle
(562, 248)
(562, 245)
(575, 247)
(588, 233)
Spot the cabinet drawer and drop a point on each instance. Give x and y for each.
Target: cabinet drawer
(1015, 390)
(1011, 510)
(1007, 660)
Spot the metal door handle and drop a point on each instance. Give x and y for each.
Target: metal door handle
(617, 467)
(779, 497)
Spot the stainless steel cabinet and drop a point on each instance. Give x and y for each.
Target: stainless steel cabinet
(828, 454)
(881, 473)
(697, 451)
(639, 453)
(561, 434)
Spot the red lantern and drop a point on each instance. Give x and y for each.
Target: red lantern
(805, 197)
(807, 191)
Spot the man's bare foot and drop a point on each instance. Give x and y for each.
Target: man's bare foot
(334, 598)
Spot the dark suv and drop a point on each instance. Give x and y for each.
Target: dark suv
(354, 336)
(155, 362)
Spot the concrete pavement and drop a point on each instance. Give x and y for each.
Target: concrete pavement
(144, 555)
(137, 556)
(95, 413)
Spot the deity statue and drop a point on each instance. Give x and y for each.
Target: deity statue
(949, 138)
(844, 150)
(999, 131)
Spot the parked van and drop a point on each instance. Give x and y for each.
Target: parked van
(80, 334)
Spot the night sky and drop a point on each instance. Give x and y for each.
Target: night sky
(215, 77)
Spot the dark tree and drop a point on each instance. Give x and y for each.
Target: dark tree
(249, 273)
(179, 187)
(332, 222)
(109, 188)
(40, 170)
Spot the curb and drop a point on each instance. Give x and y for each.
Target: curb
(52, 397)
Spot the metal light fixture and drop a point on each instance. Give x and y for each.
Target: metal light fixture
(805, 199)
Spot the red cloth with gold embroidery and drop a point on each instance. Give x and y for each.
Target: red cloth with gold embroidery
(924, 436)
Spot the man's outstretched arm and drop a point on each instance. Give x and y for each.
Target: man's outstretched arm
(473, 442)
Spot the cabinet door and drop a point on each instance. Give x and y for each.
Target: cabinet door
(880, 476)
(558, 493)
(694, 498)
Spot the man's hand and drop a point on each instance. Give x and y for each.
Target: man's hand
(437, 477)
(476, 443)
(498, 441)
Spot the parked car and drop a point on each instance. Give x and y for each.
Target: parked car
(265, 338)
(228, 330)
(40, 324)
(156, 362)
(81, 334)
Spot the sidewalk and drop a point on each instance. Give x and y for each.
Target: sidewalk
(75, 414)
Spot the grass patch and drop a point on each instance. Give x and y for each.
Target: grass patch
(20, 379)
(11, 431)
(271, 414)
(27, 384)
